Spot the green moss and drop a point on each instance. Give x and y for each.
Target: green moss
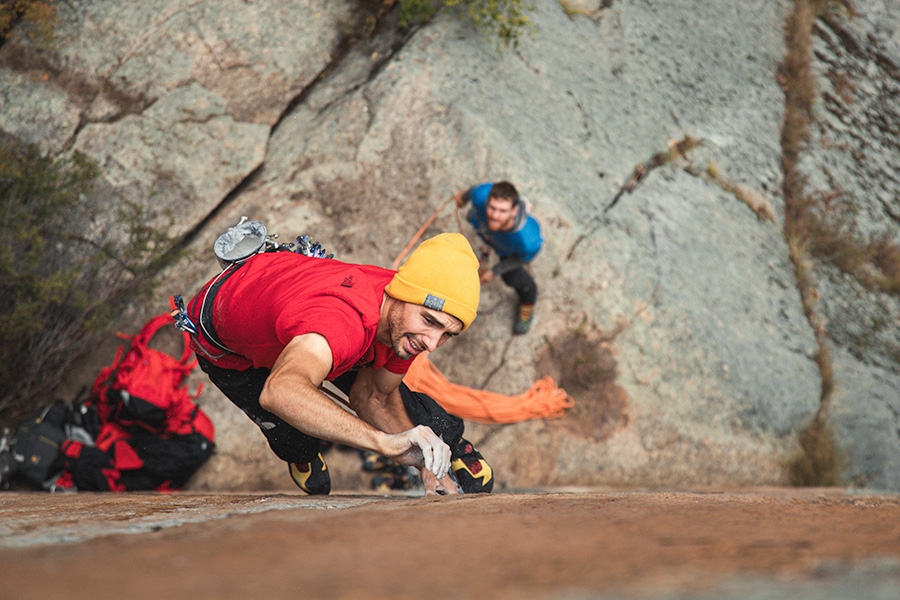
(507, 20)
(414, 12)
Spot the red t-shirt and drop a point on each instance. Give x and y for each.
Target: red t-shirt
(277, 296)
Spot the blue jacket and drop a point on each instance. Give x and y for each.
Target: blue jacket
(523, 241)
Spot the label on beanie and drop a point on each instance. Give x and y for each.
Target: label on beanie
(434, 302)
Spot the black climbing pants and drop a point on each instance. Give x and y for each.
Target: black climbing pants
(516, 276)
(243, 388)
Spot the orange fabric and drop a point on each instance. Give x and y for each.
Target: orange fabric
(543, 401)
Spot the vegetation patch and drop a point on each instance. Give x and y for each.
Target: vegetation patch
(574, 8)
(506, 20)
(38, 18)
(63, 281)
(818, 463)
(758, 203)
(820, 227)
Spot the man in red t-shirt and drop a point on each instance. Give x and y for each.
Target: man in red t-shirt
(273, 328)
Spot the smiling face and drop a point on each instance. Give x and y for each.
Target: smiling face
(413, 329)
(501, 214)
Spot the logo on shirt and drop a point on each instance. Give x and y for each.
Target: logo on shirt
(348, 282)
(433, 302)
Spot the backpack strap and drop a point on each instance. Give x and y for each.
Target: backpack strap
(155, 324)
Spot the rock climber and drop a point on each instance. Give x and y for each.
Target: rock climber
(271, 329)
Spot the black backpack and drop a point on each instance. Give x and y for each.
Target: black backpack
(35, 444)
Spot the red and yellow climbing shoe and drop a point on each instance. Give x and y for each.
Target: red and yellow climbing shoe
(473, 474)
(312, 477)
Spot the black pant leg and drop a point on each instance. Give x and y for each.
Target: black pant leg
(243, 389)
(424, 410)
(421, 408)
(521, 280)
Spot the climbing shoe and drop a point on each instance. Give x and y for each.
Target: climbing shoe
(372, 461)
(397, 478)
(383, 483)
(471, 471)
(312, 477)
(523, 319)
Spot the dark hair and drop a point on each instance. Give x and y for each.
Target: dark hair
(504, 190)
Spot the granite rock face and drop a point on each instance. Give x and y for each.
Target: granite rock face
(854, 152)
(314, 119)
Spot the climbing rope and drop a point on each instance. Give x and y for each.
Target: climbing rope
(544, 400)
(422, 230)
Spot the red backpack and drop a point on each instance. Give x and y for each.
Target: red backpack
(140, 430)
(151, 434)
(144, 389)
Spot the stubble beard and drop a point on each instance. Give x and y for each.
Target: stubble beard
(397, 337)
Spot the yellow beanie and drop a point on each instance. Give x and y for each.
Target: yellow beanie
(442, 274)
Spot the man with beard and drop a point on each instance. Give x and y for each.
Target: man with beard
(275, 327)
(500, 217)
